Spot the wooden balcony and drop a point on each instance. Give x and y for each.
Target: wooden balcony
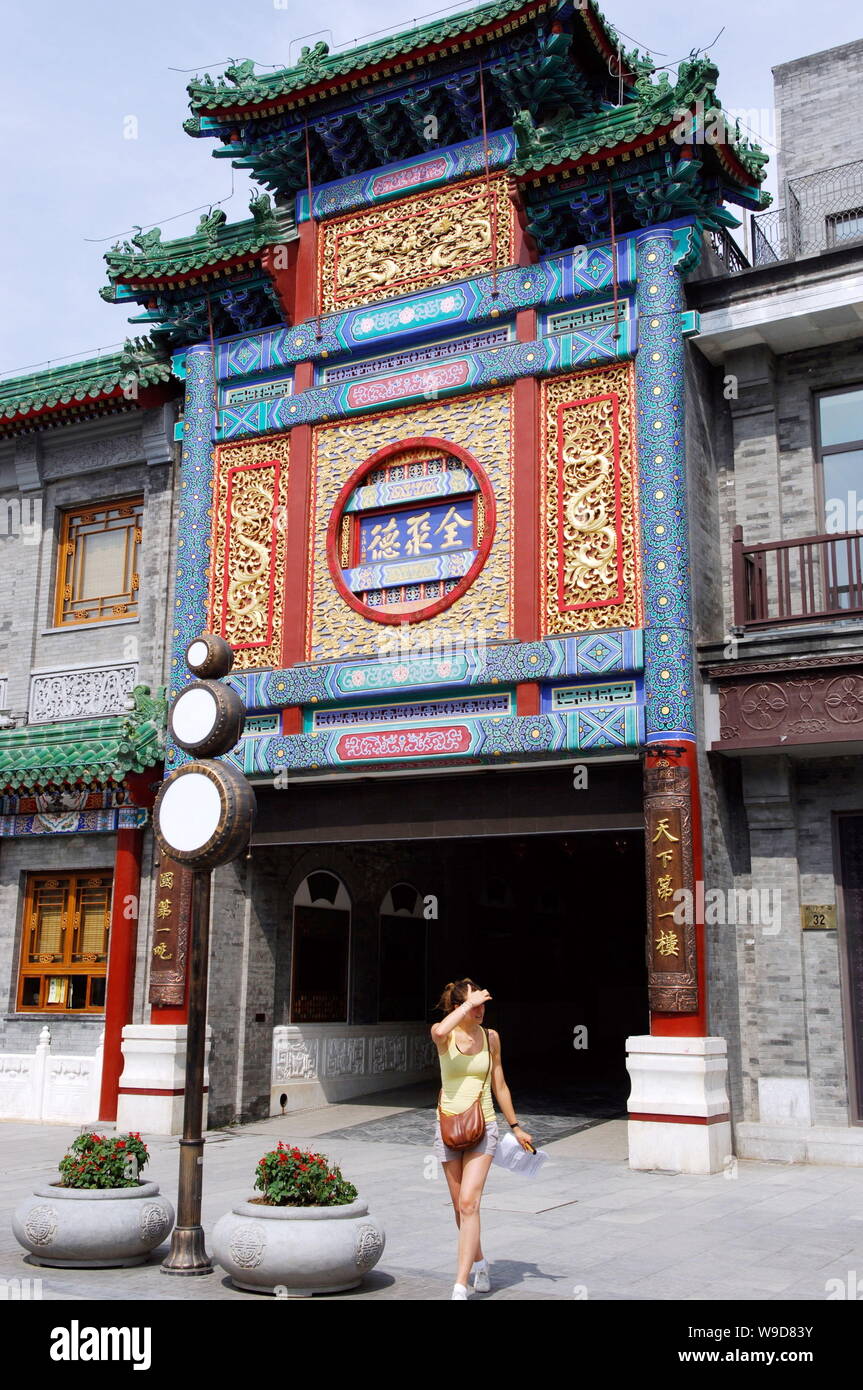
(811, 579)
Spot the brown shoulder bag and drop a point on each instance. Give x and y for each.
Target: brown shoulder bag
(466, 1129)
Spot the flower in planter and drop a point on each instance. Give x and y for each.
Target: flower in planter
(96, 1161)
(290, 1177)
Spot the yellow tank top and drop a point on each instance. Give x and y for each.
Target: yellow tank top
(462, 1078)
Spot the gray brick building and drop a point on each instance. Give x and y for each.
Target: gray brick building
(86, 491)
(777, 378)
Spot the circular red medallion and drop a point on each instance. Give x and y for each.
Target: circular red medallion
(411, 530)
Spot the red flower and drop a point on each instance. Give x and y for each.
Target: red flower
(121, 1143)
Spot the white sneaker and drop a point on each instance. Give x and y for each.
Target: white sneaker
(459, 1292)
(481, 1277)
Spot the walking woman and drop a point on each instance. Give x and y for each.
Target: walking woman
(470, 1068)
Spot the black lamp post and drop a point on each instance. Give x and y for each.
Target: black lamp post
(203, 817)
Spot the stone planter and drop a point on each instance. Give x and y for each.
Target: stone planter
(92, 1228)
(297, 1250)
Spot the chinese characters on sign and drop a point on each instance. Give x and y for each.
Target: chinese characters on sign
(672, 980)
(168, 955)
(433, 530)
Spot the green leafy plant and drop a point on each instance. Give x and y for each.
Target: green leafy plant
(291, 1177)
(95, 1160)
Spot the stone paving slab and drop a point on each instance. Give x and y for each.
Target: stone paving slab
(587, 1226)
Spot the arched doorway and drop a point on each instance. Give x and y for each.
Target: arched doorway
(403, 973)
(320, 958)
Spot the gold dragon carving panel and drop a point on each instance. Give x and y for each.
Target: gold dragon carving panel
(415, 243)
(482, 424)
(249, 543)
(590, 574)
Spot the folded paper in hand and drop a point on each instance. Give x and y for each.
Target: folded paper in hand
(510, 1154)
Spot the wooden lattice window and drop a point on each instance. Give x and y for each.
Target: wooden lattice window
(64, 951)
(97, 568)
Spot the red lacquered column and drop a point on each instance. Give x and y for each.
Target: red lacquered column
(121, 962)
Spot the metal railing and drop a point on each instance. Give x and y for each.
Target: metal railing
(813, 577)
(821, 212)
(726, 250)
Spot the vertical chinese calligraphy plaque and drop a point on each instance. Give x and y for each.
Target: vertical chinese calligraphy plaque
(671, 949)
(169, 951)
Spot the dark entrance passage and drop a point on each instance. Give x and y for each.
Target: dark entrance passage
(514, 878)
(553, 927)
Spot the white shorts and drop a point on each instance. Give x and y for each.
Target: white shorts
(487, 1144)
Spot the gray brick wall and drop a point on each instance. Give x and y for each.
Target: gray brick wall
(819, 102)
(776, 995)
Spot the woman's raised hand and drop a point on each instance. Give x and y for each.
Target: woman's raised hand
(477, 997)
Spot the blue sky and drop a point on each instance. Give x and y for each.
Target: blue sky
(74, 73)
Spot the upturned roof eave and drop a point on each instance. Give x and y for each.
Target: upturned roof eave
(91, 751)
(266, 95)
(70, 388)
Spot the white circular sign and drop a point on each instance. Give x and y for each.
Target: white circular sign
(189, 812)
(197, 653)
(194, 714)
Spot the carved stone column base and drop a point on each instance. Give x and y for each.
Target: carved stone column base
(152, 1084)
(678, 1106)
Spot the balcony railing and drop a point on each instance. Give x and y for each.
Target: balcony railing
(814, 577)
(821, 212)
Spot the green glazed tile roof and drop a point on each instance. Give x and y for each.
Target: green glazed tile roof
(147, 257)
(317, 65)
(86, 750)
(655, 105)
(90, 380)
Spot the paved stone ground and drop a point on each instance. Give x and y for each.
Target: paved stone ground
(586, 1227)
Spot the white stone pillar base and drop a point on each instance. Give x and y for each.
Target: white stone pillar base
(678, 1105)
(152, 1086)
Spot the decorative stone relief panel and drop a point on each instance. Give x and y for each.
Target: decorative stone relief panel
(779, 708)
(84, 693)
(248, 549)
(316, 1051)
(345, 1056)
(294, 1059)
(389, 1053)
(590, 573)
(429, 239)
(482, 424)
(423, 1053)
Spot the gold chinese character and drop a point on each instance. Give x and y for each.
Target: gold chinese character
(158, 929)
(164, 908)
(162, 951)
(663, 887)
(667, 943)
(450, 528)
(384, 543)
(665, 855)
(418, 534)
(166, 880)
(662, 829)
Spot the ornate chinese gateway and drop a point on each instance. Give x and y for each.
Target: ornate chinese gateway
(433, 493)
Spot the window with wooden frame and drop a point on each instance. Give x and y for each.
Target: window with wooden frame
(98, 563)
(64, 950)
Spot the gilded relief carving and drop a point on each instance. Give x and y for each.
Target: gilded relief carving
(590, 574)
(414, 243)
(249, 542)
(483, 425)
